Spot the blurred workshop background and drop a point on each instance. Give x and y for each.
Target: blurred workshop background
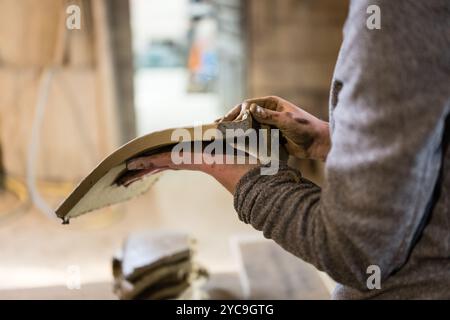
(69, 97)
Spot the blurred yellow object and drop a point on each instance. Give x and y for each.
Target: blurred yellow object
(50, 188)
(16, 187)
(102, 219)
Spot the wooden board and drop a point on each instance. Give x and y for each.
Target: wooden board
(83, 121)
(29, 31)
(69, 143)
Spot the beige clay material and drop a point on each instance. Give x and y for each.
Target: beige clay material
(99, 189)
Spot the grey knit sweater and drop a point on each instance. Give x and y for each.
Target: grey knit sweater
(386, 198)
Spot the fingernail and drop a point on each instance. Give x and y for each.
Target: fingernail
(138, 165)
(260, 111)
(132, 165)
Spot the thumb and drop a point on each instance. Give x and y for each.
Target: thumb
(140, 163)
(263, 115)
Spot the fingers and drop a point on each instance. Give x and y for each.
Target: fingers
(161, 160)
(266, 116)
(141, 163)
(164, 161)
(140, 167)
(268, 102)
(240, 111)
(231, 115)
(136, 175)
(244, 111)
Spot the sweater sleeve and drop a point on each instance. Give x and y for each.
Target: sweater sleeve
(388, 123)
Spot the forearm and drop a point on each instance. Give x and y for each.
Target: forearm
(283, 206)
(341, 239)
(290, 210)
(322, 145)
(227, 177)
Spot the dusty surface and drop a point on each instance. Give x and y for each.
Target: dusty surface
(88, 291)
(35, 251)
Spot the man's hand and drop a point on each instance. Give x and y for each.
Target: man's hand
(307, 136)
(227, 174)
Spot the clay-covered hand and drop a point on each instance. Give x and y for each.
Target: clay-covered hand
(307, 136)
(227, 174)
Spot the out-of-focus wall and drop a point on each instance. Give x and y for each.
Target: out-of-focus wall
(85, 109)
(292, 47)
(158, 20)
(231, 44)
(33, 33)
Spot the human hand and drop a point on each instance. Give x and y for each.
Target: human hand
(307, 136)
(227, 174)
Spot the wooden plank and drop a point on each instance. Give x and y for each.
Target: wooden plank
(80, 43)
(107, 98)
(69, 144)
(36, 25)
(115, 72)
(122, 55)
(2, 168)
(81, 115)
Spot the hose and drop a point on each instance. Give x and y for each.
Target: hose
(33, 145)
